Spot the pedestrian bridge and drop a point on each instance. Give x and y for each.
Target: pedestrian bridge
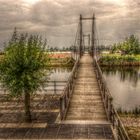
(86, 104)
(86, 101)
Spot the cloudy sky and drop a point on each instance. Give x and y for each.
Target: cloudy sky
(57, 20)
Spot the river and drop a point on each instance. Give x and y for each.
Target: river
(124, 85)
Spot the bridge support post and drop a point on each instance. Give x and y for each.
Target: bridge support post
(61, 108)
(81, 37)
(93, 36)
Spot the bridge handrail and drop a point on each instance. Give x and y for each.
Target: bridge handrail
(111, 112)
(68, 90)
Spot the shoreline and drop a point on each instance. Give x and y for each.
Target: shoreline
(128, 64)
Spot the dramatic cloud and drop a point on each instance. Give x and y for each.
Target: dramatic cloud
(57, 20)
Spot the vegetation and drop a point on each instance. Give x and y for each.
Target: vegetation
(23, 67)
(63, 49)
(117, 59)
(64, 62)
(130, 46)
(124, 53)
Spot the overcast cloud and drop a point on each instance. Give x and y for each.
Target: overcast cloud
(57, 19)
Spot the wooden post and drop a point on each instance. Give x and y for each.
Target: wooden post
(92, 36)
(81, 37)
(110, 108)
(54, 87)
(83, 43)
(61, 108)
(88, 41)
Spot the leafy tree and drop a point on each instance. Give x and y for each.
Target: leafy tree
(55, 49)
(133, 45)
(63, 49)
(114, 48)
(130, 46)
(51, 49)
(71, 48)
(23, 67)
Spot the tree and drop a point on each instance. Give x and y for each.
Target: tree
(133, 45)
(23, 67)
(130, 46)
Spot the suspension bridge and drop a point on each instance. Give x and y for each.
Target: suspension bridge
(86, 105)
(86, 101)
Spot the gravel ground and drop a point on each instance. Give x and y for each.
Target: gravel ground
(44, 108)
(132, 124)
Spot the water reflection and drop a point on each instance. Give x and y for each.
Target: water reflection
(60, 73)
(55, 82)
(131, 74)
(124, 84)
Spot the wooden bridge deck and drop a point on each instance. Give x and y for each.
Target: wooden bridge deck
(86, 103)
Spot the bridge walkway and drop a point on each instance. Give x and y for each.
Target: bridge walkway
(86, 105)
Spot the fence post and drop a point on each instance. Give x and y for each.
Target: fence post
(61, 108)
(118, 129)
(54, 87)
(113, 118)
(110, 108)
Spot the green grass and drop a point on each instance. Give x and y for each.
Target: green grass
(117, 59)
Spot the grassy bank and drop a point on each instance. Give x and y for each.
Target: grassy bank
(119, 60)
(63, 62)
(57, 59)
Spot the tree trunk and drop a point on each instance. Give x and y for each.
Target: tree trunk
(27, 107)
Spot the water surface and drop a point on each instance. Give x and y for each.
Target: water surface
(57, 80)
(60, 73)
(124, 85)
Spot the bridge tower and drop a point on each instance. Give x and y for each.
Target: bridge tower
(93, 36)
(81, 36)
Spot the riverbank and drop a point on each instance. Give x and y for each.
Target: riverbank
(123, 83)
(119, 60)
(62, 62)
(132, 125)
(61, 59)
(57, 59)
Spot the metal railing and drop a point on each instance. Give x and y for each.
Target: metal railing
(68, 90)
(50, 87)
(54, 86)
(111, 112)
